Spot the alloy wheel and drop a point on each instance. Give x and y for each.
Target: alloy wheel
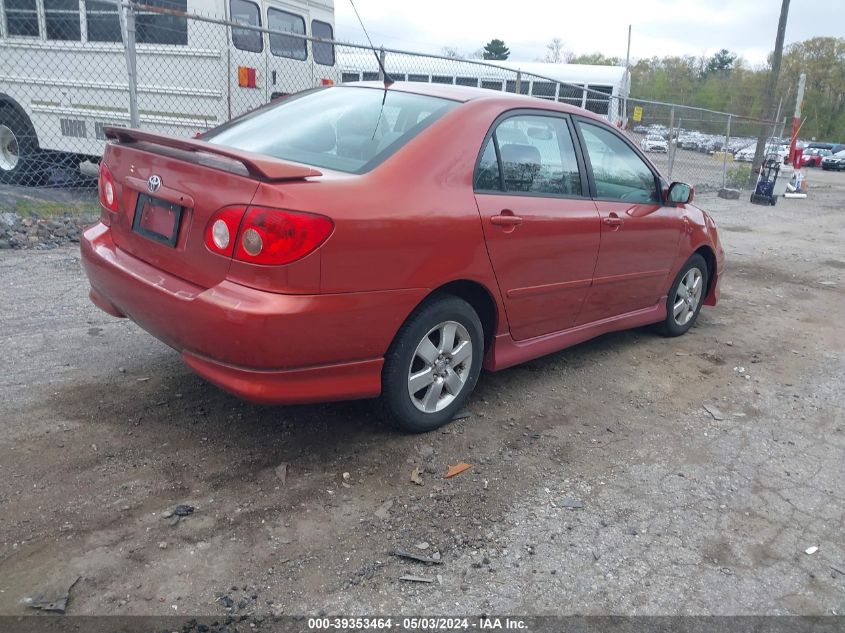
(440, 367)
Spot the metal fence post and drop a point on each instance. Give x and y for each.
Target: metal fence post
(672, 141)
(725, 154)
(518, 82)
(381, 56)
(128, 27)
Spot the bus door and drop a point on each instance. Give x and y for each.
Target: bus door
(289, 63)
(247, 58)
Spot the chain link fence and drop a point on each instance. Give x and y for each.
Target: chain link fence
(70, 68)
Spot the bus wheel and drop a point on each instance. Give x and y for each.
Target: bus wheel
(18, 149)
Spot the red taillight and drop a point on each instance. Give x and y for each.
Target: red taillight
(107, 190)
(271, 236)
(221, 232)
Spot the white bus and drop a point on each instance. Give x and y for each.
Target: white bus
(600, 89)
(63, 74)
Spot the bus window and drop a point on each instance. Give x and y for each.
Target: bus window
(418, 78)
(102, 21)
(466, 81)
(155, 28)
(490, 84)
(523, 86)
(543, 89)
(598, 99)
(61, 18)
(441, 79)
(323, 53)
(246, 12)
(21, 18)
(369, 76)
(346, 77)
(285, 45)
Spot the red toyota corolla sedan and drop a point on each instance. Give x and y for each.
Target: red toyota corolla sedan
(355, 242)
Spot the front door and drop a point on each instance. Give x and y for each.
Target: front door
(542, 231)
(639, 235)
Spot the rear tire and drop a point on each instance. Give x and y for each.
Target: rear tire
(432, 365)
(686, 296)
(18, 149)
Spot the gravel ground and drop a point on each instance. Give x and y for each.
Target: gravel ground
(599, 482)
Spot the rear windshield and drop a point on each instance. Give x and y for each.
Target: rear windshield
(342, 128)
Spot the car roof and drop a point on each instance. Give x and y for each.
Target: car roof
(470, 93)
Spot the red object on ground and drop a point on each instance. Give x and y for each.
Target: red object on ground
(284, 282)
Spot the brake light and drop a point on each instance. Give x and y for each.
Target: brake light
(106, 188)
(271, 236)
(222, 230)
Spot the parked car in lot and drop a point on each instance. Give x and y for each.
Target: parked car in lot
(360, 242)
(813, 157)
(834, 162)
(652, 143)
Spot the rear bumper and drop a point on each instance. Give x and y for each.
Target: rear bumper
(261, 346)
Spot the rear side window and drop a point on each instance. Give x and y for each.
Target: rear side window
(487, 176)
(61, 19)
(247, 13)
(537, 157)
(323, 53)
(156, 28)
(285, 45)
(619, 173)
(344, 128)
(102, 21)
(21, 18)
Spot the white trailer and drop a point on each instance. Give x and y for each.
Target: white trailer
(600, 89)
(63, 68)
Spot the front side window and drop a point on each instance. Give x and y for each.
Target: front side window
(21, 18)
(61, 19)
(157, 28)
(538, 156)
(619, 173)
(323, 52)
(286, 45)
(102, 21)
(344, 128)
(246, 13)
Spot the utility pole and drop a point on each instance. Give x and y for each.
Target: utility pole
(796, 120)
(627, 79)
(768, 96)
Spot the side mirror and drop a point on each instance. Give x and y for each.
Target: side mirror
(680, 193)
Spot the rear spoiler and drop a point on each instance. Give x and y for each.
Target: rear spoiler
(257, 165)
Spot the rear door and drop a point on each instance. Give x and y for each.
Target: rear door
(542, 231)
(247, 58)
(639, 235)
(289, 61)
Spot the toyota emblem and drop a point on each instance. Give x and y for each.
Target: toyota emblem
(154, 183)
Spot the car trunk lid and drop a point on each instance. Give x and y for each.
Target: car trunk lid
(169, 188)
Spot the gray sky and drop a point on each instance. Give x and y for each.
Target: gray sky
(660, 27)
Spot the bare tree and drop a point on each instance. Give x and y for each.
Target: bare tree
(555, 53)
(452, 52)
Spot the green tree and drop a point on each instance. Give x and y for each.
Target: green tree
(496, 49)
(595, 59)
(722, 62)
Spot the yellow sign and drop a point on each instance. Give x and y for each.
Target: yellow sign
(638, 113)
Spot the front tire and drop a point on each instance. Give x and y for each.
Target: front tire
(432, 365)
(18, 148)
(686, 296)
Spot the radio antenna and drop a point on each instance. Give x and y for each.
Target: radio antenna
(388, 80)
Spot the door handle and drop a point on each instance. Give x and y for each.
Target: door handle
(613, 220)
(506, 220)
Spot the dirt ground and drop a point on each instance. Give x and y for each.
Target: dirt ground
(104, 431)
